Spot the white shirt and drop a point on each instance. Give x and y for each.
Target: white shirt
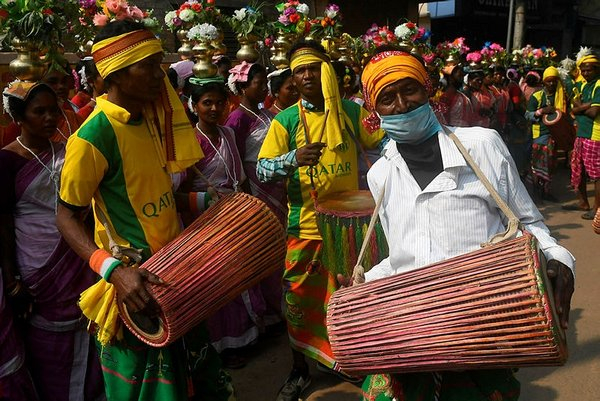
(454, 214)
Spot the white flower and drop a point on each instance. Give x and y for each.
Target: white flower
(302, 8)
(150, 23)
(239, 14)
(169, 17)
(187, 15)
(331, 13)
(402, 31)
(203, 32)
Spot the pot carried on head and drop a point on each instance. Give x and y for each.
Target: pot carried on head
(233, 246)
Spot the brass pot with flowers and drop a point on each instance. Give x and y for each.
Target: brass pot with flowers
(28, 26)
(249, 23)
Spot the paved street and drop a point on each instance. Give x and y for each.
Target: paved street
(578, 380)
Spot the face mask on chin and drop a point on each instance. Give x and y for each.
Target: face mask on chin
(413, 127)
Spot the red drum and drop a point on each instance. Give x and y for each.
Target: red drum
(561, 128)
(490, 308)
(231, 247)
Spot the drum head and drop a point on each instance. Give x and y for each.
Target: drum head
(151, 328)
(552, 118)
(346, 203)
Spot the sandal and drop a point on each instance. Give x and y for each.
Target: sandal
(574, 207)
(589, 215)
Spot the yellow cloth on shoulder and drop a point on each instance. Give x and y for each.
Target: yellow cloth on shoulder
(331, 93)
(113, 54)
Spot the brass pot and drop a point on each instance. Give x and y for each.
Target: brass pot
(218, 45)
(186, 45)
(281, 45)
(247, 52)
(452, 60)
(204, 68)
(27, 66)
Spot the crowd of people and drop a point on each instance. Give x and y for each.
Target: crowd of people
(138, 153)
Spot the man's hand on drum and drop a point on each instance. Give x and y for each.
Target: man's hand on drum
(547, 110)
(563, 285)
(129, 283)
(310, 154)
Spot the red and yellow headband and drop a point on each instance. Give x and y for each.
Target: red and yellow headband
(116, 53)
(386, 68)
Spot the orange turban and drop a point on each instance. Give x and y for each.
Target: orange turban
(388, 67)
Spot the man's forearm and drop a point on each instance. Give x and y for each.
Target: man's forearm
(277, 168)
(72, 227)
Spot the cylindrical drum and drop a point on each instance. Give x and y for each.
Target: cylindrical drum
(561, 128)
(231, 247)
(596, 222)
(486, 309)
(343, 219)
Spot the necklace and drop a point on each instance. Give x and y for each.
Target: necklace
(53, 172)
(266, 124)
(68, 125)
(230, 175)
(277, 107)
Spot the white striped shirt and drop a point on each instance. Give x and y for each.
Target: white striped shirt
(454, 214)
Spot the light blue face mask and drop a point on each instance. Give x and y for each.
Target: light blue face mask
(414, 127)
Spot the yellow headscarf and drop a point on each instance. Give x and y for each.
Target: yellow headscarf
(559, 97)
(179, 141)
(386, 68)
(331, 93)
(590, 58)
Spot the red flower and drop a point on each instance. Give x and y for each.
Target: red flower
(410, 25)
(210, 1)
(184, 6)
(307, 27)
(294, 18)
(47, 12)
(197, 7)
(3, 14)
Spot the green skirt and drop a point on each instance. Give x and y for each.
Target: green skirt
(189, 369)
(472, 385)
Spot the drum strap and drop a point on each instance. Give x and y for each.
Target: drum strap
(358, 272)
(513, 222)
(132, 255)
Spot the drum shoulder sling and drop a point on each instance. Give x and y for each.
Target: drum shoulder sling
(490, 308)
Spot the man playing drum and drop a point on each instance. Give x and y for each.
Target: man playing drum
(311, 145)
(434, 207)
(543, 155)
(122, 159)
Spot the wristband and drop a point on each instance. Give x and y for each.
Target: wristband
(198, 202)
(103, 263)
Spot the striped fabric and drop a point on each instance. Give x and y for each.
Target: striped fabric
(307, 286)
(454, 214)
